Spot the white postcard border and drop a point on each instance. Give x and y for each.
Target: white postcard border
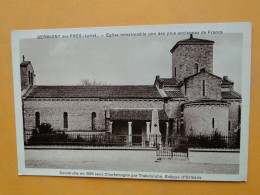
(244, 28)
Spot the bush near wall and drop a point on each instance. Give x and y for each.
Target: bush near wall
(45, 135)
(216, 140)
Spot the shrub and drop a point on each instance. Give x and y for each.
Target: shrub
(104, 139)
(45, 135)
(107, 139)
(45, 128)
(216, 140)
(79, 139)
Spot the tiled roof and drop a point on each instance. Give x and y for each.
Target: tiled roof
(25, 63)
(227, 82)
(206, 101)
(124, 91)
(230, 95)
(135, 114)
(174, 94)
(168, 81)
(192, 41)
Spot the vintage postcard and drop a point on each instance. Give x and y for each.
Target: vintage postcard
(165, 102)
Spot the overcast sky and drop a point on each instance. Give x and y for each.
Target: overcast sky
(122, 60)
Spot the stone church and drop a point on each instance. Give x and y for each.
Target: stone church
(193, 101)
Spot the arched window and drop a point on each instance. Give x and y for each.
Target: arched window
(93, 120)
(65, 119)
(175, 73)
(213, 123)
(203, 88)
(196, 68)
(37, 119)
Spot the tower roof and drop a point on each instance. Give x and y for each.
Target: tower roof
(192, 41)
(25, 63)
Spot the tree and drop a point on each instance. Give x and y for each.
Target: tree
(45, 128)
(45, 135)
(87, 82)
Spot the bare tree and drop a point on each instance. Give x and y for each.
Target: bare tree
(87, 82)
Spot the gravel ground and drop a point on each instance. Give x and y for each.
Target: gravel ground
(118, 160)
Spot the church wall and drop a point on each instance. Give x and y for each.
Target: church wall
(173, 109)
(198, 119)
(194, 87)
(79, 112)
(234, 114)
(24, 76)
(185, 57)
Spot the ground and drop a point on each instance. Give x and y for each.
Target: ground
(119, 160)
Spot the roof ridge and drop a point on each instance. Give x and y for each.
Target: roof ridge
(206, 100)
(198, 39)
(109, 91)
(25, 63)
(235, 92)
(226, 79)
(167, 78)
(202, 72)
(191, 41)
(94, 85)
(136, 109)
(28, 91)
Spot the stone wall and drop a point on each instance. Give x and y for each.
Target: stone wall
(79, 112)
(234, 115)
(173, 108)
(24, 76)
(214, 156)
(198, 119)
(185, 57)
(194, 87)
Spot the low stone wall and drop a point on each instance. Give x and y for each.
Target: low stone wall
(214, 156)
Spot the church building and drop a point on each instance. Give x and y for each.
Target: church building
(193, 101)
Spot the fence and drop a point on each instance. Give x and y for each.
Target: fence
(165, 144)
(90, 139)
(177, 146)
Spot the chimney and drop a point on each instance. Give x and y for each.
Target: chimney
(202, 70)
(157, 77)
(191, 36)
(23, 58)
(225, 77)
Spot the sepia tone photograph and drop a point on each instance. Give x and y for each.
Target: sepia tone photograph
(150, 103)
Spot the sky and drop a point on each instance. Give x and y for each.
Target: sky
(122, 60)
